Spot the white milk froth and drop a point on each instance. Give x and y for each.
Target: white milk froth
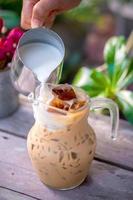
(41, 58)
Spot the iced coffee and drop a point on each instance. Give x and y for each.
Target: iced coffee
(61, 144)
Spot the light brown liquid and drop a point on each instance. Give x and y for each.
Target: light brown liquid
(62, 157)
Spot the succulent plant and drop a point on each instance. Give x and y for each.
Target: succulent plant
(113, 78)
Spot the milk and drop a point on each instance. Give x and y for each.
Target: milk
(41, 58)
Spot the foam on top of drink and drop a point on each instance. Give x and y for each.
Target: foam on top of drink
(60, 105)
(62, 97)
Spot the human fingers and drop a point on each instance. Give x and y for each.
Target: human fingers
(43, 12)
(26, 13)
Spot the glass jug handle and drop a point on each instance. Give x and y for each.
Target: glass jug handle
(96, 103)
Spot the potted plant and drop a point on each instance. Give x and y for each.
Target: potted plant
(8, 95)
(113, 78)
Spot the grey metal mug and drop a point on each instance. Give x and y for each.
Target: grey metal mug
(9, 100)
(23, 77)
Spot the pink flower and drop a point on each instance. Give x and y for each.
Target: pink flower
(9, 47)
(2, 58)
(1, 24)
(2, 40)
(15, 34)
(2, 54)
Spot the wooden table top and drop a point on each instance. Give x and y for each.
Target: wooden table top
(111, 173)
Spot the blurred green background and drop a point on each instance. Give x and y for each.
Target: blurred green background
(85, 30)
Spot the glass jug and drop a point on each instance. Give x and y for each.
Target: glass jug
(61, 144)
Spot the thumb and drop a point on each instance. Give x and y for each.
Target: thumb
(27, 13)
(39, 15)
(44, 12)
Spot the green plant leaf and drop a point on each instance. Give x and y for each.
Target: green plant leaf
(11, 19)
(113, 44)
(130, 64)
(92, 81)
(91, 77)
(111, 55)
(82, 77)
(120, 56)
(99, 78)
(109, 50)
(93, 90)
(123, 74)
(125, 101)
(125, 81)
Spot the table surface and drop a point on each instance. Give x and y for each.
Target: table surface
(111, 173)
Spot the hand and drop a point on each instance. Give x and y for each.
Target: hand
(36, 13)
